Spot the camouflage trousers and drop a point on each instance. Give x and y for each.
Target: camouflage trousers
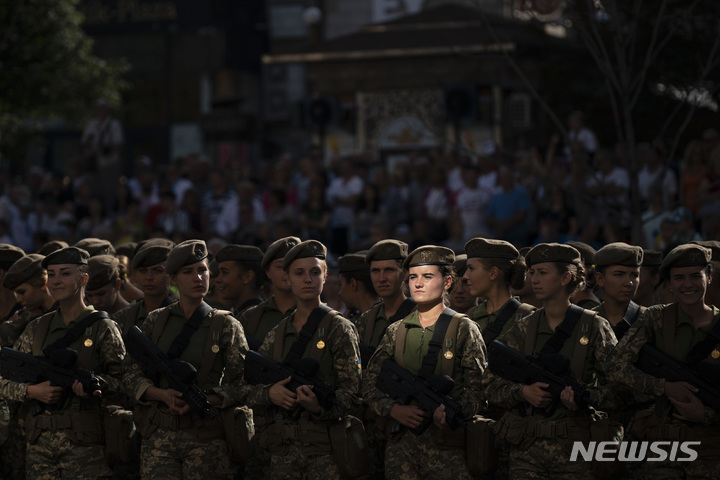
(54, 455)
(12, 451)
(545, 459)
(411, 457)
(178, 454)
(256, 467)
(296, 464)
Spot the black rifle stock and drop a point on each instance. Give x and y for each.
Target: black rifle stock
(180, 375)
(658, 364)
(58, 368)
(260, 370)
(517, 367)
(404, 387)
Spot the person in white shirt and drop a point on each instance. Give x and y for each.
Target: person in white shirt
(102, 140)
(342, 194)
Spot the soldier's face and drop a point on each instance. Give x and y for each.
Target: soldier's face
(278, 277)
(193, 281)
(307, 277)
(102, 298)
(478, 278)
(346, 292)
(65, 281)
(229, 282)
(547, 281)
(29, 296)
(460, 298)
(689, 284)
(386, 277)
(153, 280)
(427, 284)
(619, 283)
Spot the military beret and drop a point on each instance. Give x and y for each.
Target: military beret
(51, 246)
(9, 254)
(460, 264)
(354, 265)
(687, 255)
(524, 251)
(164, 242)
(490, 248)
(23, 270)
(652, 258)
(240, 253)
(126, 249)
(96, 246)
(102, 269)
(387, 250)
(278, 249)
(713, 245)
(152, 253)
(586, 252)
(429, 255)
(306, 249)
(71, 255)
(553, 252)
(619, 253)
(185, 253)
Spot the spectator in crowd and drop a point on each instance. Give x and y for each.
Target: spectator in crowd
(342, 195)
(368, 207)
(172, 221)
(657, 175)
(214, 200)
(691, 175)
(709, 188)
(437, 203)
(315, 216)
(581, 138)
(471, 203)
(243, 207)
(610, 184)
(508, 211)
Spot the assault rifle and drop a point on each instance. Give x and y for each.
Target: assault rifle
(58, 367)
(404, 387)
(260, 370)
(180, 375)
(517, 367)
(658, 364)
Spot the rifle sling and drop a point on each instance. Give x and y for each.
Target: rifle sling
(213, 338)
(632, 312)
(563, 331)
(74, 332)
(180, 343)
(493, 329)
(306, 333)
(431, 357)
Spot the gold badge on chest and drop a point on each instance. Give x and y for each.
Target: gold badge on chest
(448, 355)
(88, 342)
(584, 340)
(320, 345)
(715, 354)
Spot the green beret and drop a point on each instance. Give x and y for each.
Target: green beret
(69, 255)
(278, 249)
(713, 245)
(51, 246)
(240, 253)
(553, 252)
(102, 269)
(9, 254)
(150, 254)
(687, 255)
(429, 255)
(96, 246)
(185, 253)
(354, 265)
(126, 249)
(490, 248)
(156, 242)
(23, 270)
(460, 264)
(652, 258)
(619, 253)
(306, 249)
(387, 250)
(586, 252)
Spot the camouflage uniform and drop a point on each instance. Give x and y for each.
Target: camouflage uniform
(539, 442)
(191, 447)
(135, 313)
(291, 456)
(481, 316)
(54, 454)
(270, 316)
(409, 456)
(648, 426)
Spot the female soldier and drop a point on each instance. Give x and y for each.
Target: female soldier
(493, 268)
(540, 440)
(177, 442)
(298, 438)
(432, 453)
(65, 440)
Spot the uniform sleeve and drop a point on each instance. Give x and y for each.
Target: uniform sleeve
(233, 389)
(498, 391)
(620, 363)
(609, 395)
(346, 362)
(11, 330)
(9, 389)
(377, 400)
(111, 350)
(473, 359)
(134, 381)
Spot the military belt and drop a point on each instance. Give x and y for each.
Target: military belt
(53, 422)
(173, 422)
(550, 430)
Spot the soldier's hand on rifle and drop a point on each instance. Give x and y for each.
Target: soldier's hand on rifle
(440, 417)
(78, 390)
(408, 415)
(281, 396)
(681, 391)
(44, 392)
(567, 397)
(690, 411)
(175, 403)
(536, 395)
(306, 398)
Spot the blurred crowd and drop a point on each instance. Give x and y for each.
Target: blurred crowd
(567, 190)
